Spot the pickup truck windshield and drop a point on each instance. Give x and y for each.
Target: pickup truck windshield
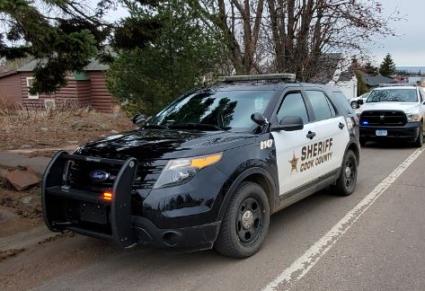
(393, 95)
(213, 110)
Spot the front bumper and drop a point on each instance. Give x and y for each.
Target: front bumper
(410, 131)
(198, 237)
(86, 212)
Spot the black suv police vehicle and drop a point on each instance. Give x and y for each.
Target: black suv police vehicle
(209, 169)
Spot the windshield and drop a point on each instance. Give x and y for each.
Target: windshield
(211, 110)
(393, 95)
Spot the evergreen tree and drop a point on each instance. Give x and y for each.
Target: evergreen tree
(370, 69)
(63, 35)
(387, 67)
(146, 77)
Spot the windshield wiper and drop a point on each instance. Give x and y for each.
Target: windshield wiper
(195, 126)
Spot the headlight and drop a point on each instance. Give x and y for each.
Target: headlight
(413, 117)
(182, 170)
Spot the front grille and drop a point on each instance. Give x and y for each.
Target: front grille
(388, 118)
(79, 175)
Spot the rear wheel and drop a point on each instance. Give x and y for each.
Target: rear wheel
(346, 183)
(246, 222)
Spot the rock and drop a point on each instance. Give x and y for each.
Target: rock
(26, 200)
(22, 179)
(114, 131)
(44, 129)
(26, 146)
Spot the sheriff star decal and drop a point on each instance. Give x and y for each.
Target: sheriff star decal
(294, 163)
(312, 155)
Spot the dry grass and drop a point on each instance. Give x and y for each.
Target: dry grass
(22, 127)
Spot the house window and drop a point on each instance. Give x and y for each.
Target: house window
(30, 81)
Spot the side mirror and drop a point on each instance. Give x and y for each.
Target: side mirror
(289, 123)
(259, 119)
(360, 102)
(139, 119)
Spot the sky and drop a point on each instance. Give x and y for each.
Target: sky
(407, 47)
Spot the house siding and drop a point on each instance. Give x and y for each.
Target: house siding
(101, 99)
(10, 92)
(91, 92)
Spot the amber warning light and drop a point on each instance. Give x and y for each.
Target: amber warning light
(107, 196)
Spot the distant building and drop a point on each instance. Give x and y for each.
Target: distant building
(336, 71)
(373, 81)
(86, 88)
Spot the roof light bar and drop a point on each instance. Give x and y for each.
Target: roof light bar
(264, 77)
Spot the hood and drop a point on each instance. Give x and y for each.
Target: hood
(399, 106)
(151, 144)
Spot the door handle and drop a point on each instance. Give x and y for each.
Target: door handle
(311, 134)
(341, 125)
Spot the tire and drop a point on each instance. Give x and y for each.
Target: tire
(420, 140)
(346, 183)
(248, 212)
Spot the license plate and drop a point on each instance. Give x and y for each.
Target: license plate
(93, 213)
(381, 132)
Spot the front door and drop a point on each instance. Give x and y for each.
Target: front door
(289, 145)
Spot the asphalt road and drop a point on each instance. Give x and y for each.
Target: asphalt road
(380, 247)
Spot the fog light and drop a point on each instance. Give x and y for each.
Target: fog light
(107, 196)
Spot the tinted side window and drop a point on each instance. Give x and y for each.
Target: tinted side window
(320, 105)
(293, 105)
(341, 102)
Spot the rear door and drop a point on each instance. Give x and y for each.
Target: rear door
(324, 153)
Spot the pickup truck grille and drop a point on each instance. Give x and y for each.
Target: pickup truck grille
(80, 175)
(387, 118)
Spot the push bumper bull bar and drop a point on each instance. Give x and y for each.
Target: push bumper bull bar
(119, 217)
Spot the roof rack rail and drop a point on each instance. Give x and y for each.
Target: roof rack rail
(262, 77)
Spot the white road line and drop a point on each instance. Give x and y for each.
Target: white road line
(300, 267)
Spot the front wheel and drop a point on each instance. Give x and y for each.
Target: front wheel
(246, 222)
(420, 140)
(347, 180)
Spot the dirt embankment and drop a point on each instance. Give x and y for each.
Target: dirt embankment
(57, 128)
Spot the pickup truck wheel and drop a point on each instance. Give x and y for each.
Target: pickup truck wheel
(246, 222)
(420, 140)
(346, 183)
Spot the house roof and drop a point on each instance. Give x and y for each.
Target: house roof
(8, 73)
(327, 65)
(375, 81)
(94, 65)
(346, 75)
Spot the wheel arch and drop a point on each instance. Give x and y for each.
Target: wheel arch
(256, 175)
(354, 147)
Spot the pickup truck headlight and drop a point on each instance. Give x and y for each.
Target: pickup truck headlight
(179, 171)
(413, 117)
